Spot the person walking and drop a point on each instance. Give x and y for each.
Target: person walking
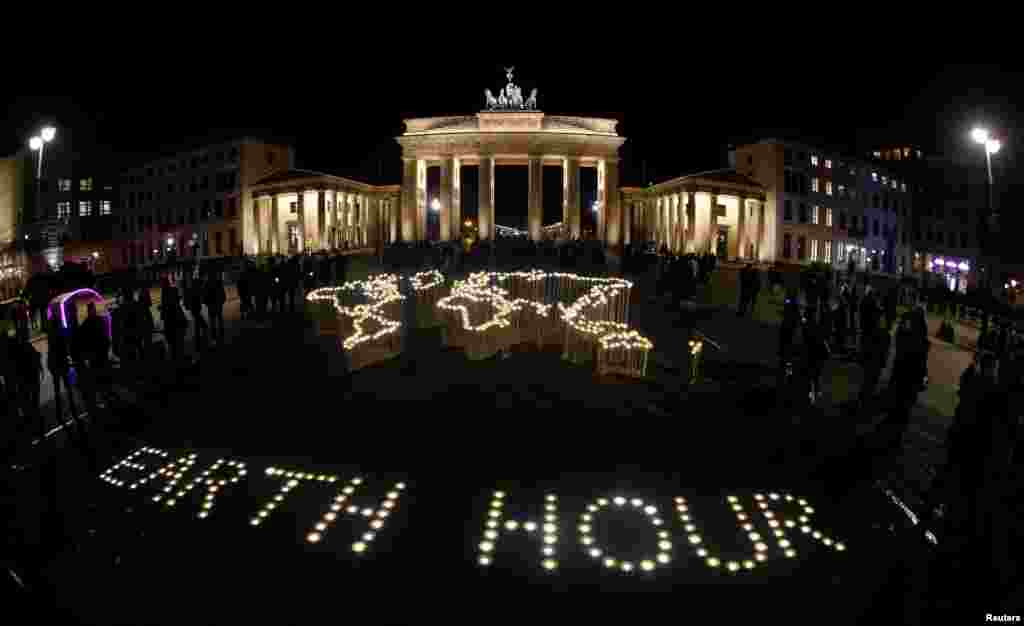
(817, 353)
(215, 296)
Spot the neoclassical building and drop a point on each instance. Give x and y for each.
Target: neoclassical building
(509, 137)
(300, 210)
(722, 212)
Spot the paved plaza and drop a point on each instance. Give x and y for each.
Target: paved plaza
(453, 428)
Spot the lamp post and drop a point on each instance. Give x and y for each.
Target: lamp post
(38, 144)
(991, 145)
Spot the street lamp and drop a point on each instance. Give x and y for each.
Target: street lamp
(982, 137)
(435, 205)
(39, 142)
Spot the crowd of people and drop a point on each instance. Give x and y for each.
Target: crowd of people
(80, 356)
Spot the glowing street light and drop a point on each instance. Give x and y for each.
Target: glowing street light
(594, 207)
(38, 143)
(983, 137)
(435, 205)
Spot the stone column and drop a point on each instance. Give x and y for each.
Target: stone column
(601, 219)
(628, 216)
(675, 209)
(275, 226)
(421, 200)
(321, 219)
(445, 218)
(372, 223)
(741, 229)
(613, 226)
(691, 215)
(394, 207)
(702, 225)
(535, 210)
(408, 208)
(300, 206)
(256, 222)
(455, 195)
(486, 215)
(571, 195)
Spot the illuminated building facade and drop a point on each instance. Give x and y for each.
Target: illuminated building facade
(825, 207)
(945, 227)
(196, 203)
(14, 173)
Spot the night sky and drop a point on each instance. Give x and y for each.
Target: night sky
(673, 125)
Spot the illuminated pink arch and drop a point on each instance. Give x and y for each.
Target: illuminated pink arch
(60, 302)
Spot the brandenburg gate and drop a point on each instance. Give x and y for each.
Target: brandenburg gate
(510, 132)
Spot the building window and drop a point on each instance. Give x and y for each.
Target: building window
(814, 160)
(842, 218)
(952, 240)
(64, 184)
(787, 246)
(192, 215)
(218, 242)
(828, 164)
(894, 185)
(828, 217)
(877, 154)
(232, 207)
(232, 241)
(294, 206)
(814, 214)
(218, 208)
(842, 191)
(874, 176)
(814, 184)
(787, 156)
(963, 240)
(803, 213)
(903, 187)
(814, 249)
(801, 248)
(63, 210)
(828, 187)
(876, 227)
(84, 208)
(234, 154)
(828, 250)
(104, 207)
(85, 184)
(787, 211)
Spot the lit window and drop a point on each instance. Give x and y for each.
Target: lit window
(828, 187)
(874, 176)
(885, 180)
(104, 207)
(906, 153)
(828, 217)
(814, 160)
(814, 214)
(919, 154)
(64, 209)
(84, 208)
(85, 184)
(814, 249)
(828, 164)
(878, 154)
(842, 191)
(64, 184)
(828, 249)
(903, 187)
(894, 185)
(814, 184)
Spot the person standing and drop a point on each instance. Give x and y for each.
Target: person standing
(95, 342)
(173, 316)
(874, 354)
(58, 362)
(29, 368)
(817, 349)
(243, 285)
(146, 322)
(215, 297)
(744, 290)
(194, 302)
(755, 288)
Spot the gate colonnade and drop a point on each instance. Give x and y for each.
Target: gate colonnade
(492, 138)
(690, 214)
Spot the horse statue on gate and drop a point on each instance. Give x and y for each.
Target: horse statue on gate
(490, 101)
(531, 102)
(502, 99)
